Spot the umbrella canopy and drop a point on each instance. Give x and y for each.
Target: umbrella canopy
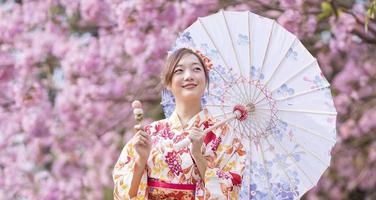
(291, 128)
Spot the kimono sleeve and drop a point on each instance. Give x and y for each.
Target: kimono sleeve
(123, 174)
(226, 163)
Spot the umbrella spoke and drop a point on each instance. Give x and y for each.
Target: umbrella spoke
(228, 83)
(308, 111)
(303, 93)
(249, 54)
(310, 152)
(266, 55)
(259, 143)
(296, 74)
(305, 130)
(279, 63)
(245, 128)
(261, 102)
(293, 160)
(217, 49)
(234, 51)
(291, 77)
(251, 128)
(268, 46)
(292, 183)
(232, 44)
(266, 169)
(228, 99)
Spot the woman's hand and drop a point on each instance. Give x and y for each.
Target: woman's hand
(197, 139)
(142, 146)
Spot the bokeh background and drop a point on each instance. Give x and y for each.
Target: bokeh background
(69, 70)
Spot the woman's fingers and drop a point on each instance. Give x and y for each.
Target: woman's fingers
(142, 134)
(196, 134)
(137, 127)
(142, 137)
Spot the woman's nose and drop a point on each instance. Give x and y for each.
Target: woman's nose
(188, 75)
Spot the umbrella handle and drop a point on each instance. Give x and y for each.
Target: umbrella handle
(185, 142)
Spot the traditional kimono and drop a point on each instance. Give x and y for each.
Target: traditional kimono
(172, 174)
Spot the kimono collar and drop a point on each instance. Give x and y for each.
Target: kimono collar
(195, 121)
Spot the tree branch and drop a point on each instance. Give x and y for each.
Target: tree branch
(364, 37)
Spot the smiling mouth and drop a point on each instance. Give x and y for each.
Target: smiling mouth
(189, 86)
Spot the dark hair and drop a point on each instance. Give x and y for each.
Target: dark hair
(173, 59)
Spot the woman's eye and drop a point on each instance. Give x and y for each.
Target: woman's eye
(197, 69)
(178, 70)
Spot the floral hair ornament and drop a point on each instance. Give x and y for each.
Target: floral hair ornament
(207, 62)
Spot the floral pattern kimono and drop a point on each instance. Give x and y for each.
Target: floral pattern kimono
(172, 174)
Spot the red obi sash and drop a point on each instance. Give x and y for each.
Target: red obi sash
(162, 190)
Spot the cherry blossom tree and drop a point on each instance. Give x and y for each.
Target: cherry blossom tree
(70, 69)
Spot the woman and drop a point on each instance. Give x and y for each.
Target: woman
(210, 168)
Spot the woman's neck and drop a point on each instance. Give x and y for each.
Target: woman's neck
(186, 110)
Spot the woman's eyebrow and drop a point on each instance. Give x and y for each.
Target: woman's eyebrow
(182, 65)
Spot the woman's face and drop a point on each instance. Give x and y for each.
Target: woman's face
(188, 79)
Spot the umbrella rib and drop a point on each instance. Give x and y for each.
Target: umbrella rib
(290, 78)
(261, 102)
(263, 157)
(245, 128)
(303, 93)
(309, 131)
(266, 169)
(307, 111)
(250, 164)
(292, 183)
(214, 105)
(232, 42)
(310, 152)
(266, 54)
(250, 54)
(249, 41)
(297, 73)
(249, 126)
(280, 62)
(223, 78)
(293, 160)
(215, 46)
(279, 163)
(303, 111)
(267, 47)
(233, 49)
(229, 99)
(275, 70)
(259, 118)
(296, 95)
(226, 82)
(249, 180)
